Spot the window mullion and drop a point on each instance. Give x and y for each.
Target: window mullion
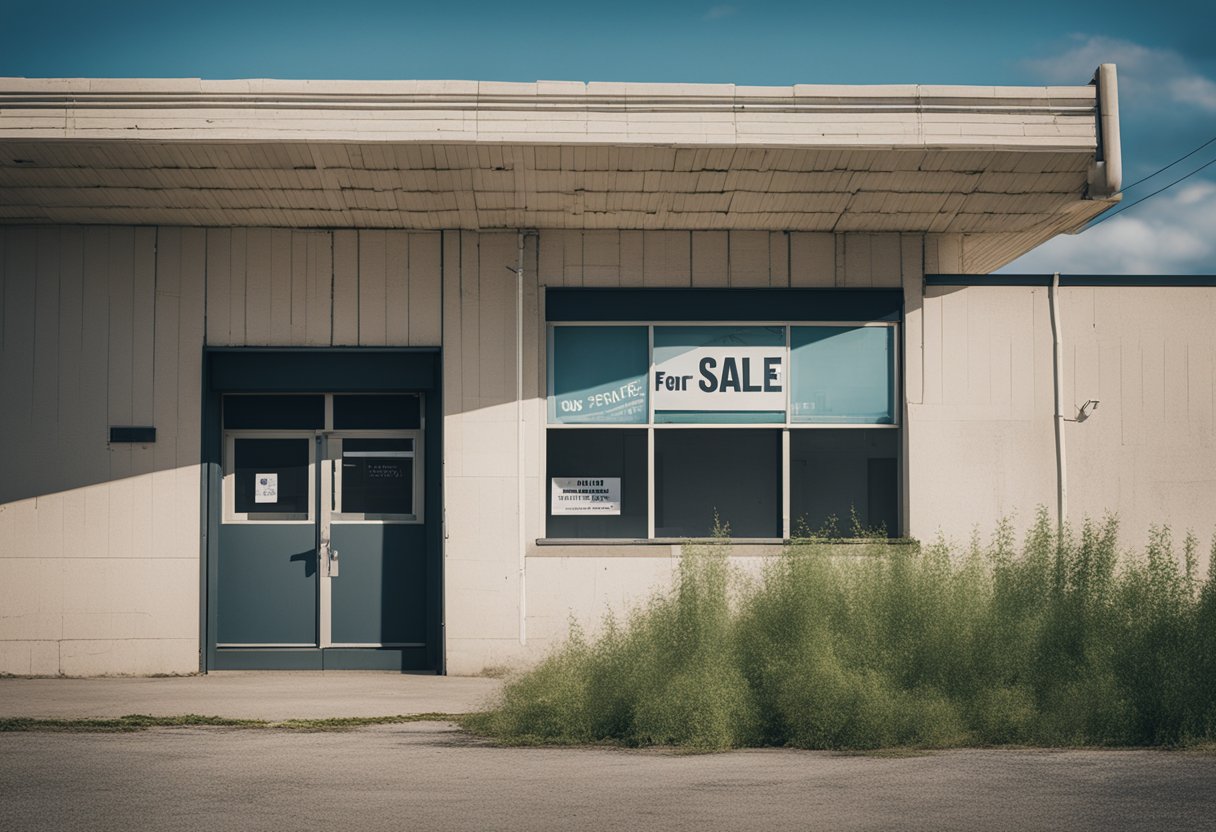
(785, 483)
(650, 495)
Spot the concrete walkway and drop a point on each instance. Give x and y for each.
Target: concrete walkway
(428, 776)
(247, 695)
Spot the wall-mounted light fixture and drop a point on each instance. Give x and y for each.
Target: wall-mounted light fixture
(1086, 410)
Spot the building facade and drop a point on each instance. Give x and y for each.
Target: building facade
(406, 375)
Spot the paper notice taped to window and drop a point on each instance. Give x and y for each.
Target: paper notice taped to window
(265, 488)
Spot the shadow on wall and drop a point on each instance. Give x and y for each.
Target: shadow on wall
(101, 328)
(105, 326)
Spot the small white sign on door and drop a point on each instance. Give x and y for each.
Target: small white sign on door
(586, 495)
(265, 488)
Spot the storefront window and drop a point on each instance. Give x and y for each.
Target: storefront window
(844, 483)
(719, 374)
(724, 412)
(842, 374)
(597, 483)
(599, 375)
(724, 479)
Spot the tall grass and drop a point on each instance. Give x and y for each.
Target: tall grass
(1060, 642)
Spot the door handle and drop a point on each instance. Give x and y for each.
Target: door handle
(329, 558)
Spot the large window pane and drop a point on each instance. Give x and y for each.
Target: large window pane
(735, 472)
(838, 474)
(842, 375)
(274, 412)
(599, 375)
(719, 374)
(377, 412)
(377, 476)
(598, 455)
(271, 475)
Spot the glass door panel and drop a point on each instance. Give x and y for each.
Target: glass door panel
(267, 570)
(373, 543)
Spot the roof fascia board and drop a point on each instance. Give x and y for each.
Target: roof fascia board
(1044, 119)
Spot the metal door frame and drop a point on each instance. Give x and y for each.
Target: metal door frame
(268, 370)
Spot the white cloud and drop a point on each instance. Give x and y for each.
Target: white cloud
(720, 11)
(1175, 233)
(1147, 77)
(1196, 89)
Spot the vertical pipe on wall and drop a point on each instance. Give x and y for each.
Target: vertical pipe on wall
(519, 439)
(1057, 367)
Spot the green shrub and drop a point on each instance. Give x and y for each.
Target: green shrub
(1062, 642)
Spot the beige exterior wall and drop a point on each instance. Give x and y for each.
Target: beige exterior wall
(981, 436)
(99, 544)
(482, 568)
(105, 325)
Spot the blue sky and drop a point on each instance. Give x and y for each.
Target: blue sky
(1166, 53)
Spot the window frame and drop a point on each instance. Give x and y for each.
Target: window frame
(320, 452)
(650, 425)
(228, 485)
(334, 443)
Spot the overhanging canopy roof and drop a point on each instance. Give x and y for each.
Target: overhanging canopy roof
(443, 154)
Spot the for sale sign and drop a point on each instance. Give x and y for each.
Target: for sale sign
(721, 378)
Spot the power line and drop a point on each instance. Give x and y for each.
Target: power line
(1123, 208)
(1170, 165)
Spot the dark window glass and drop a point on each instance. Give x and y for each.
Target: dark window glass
(377, 476)
(274, 412)
(600, 454)
(838, 474)
(377, 412)
(283, 463)
(736, 473)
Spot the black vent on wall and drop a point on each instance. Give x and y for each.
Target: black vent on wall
(136, 435)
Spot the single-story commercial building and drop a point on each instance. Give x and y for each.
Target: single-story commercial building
(406, 374)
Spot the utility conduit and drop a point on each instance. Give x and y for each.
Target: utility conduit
(519, 439)
(1057, 368)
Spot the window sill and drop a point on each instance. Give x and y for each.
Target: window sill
(679, 541)
(554, 547)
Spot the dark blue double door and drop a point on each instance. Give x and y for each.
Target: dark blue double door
(322, 556)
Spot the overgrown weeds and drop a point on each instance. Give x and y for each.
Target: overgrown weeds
(1059, 642)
